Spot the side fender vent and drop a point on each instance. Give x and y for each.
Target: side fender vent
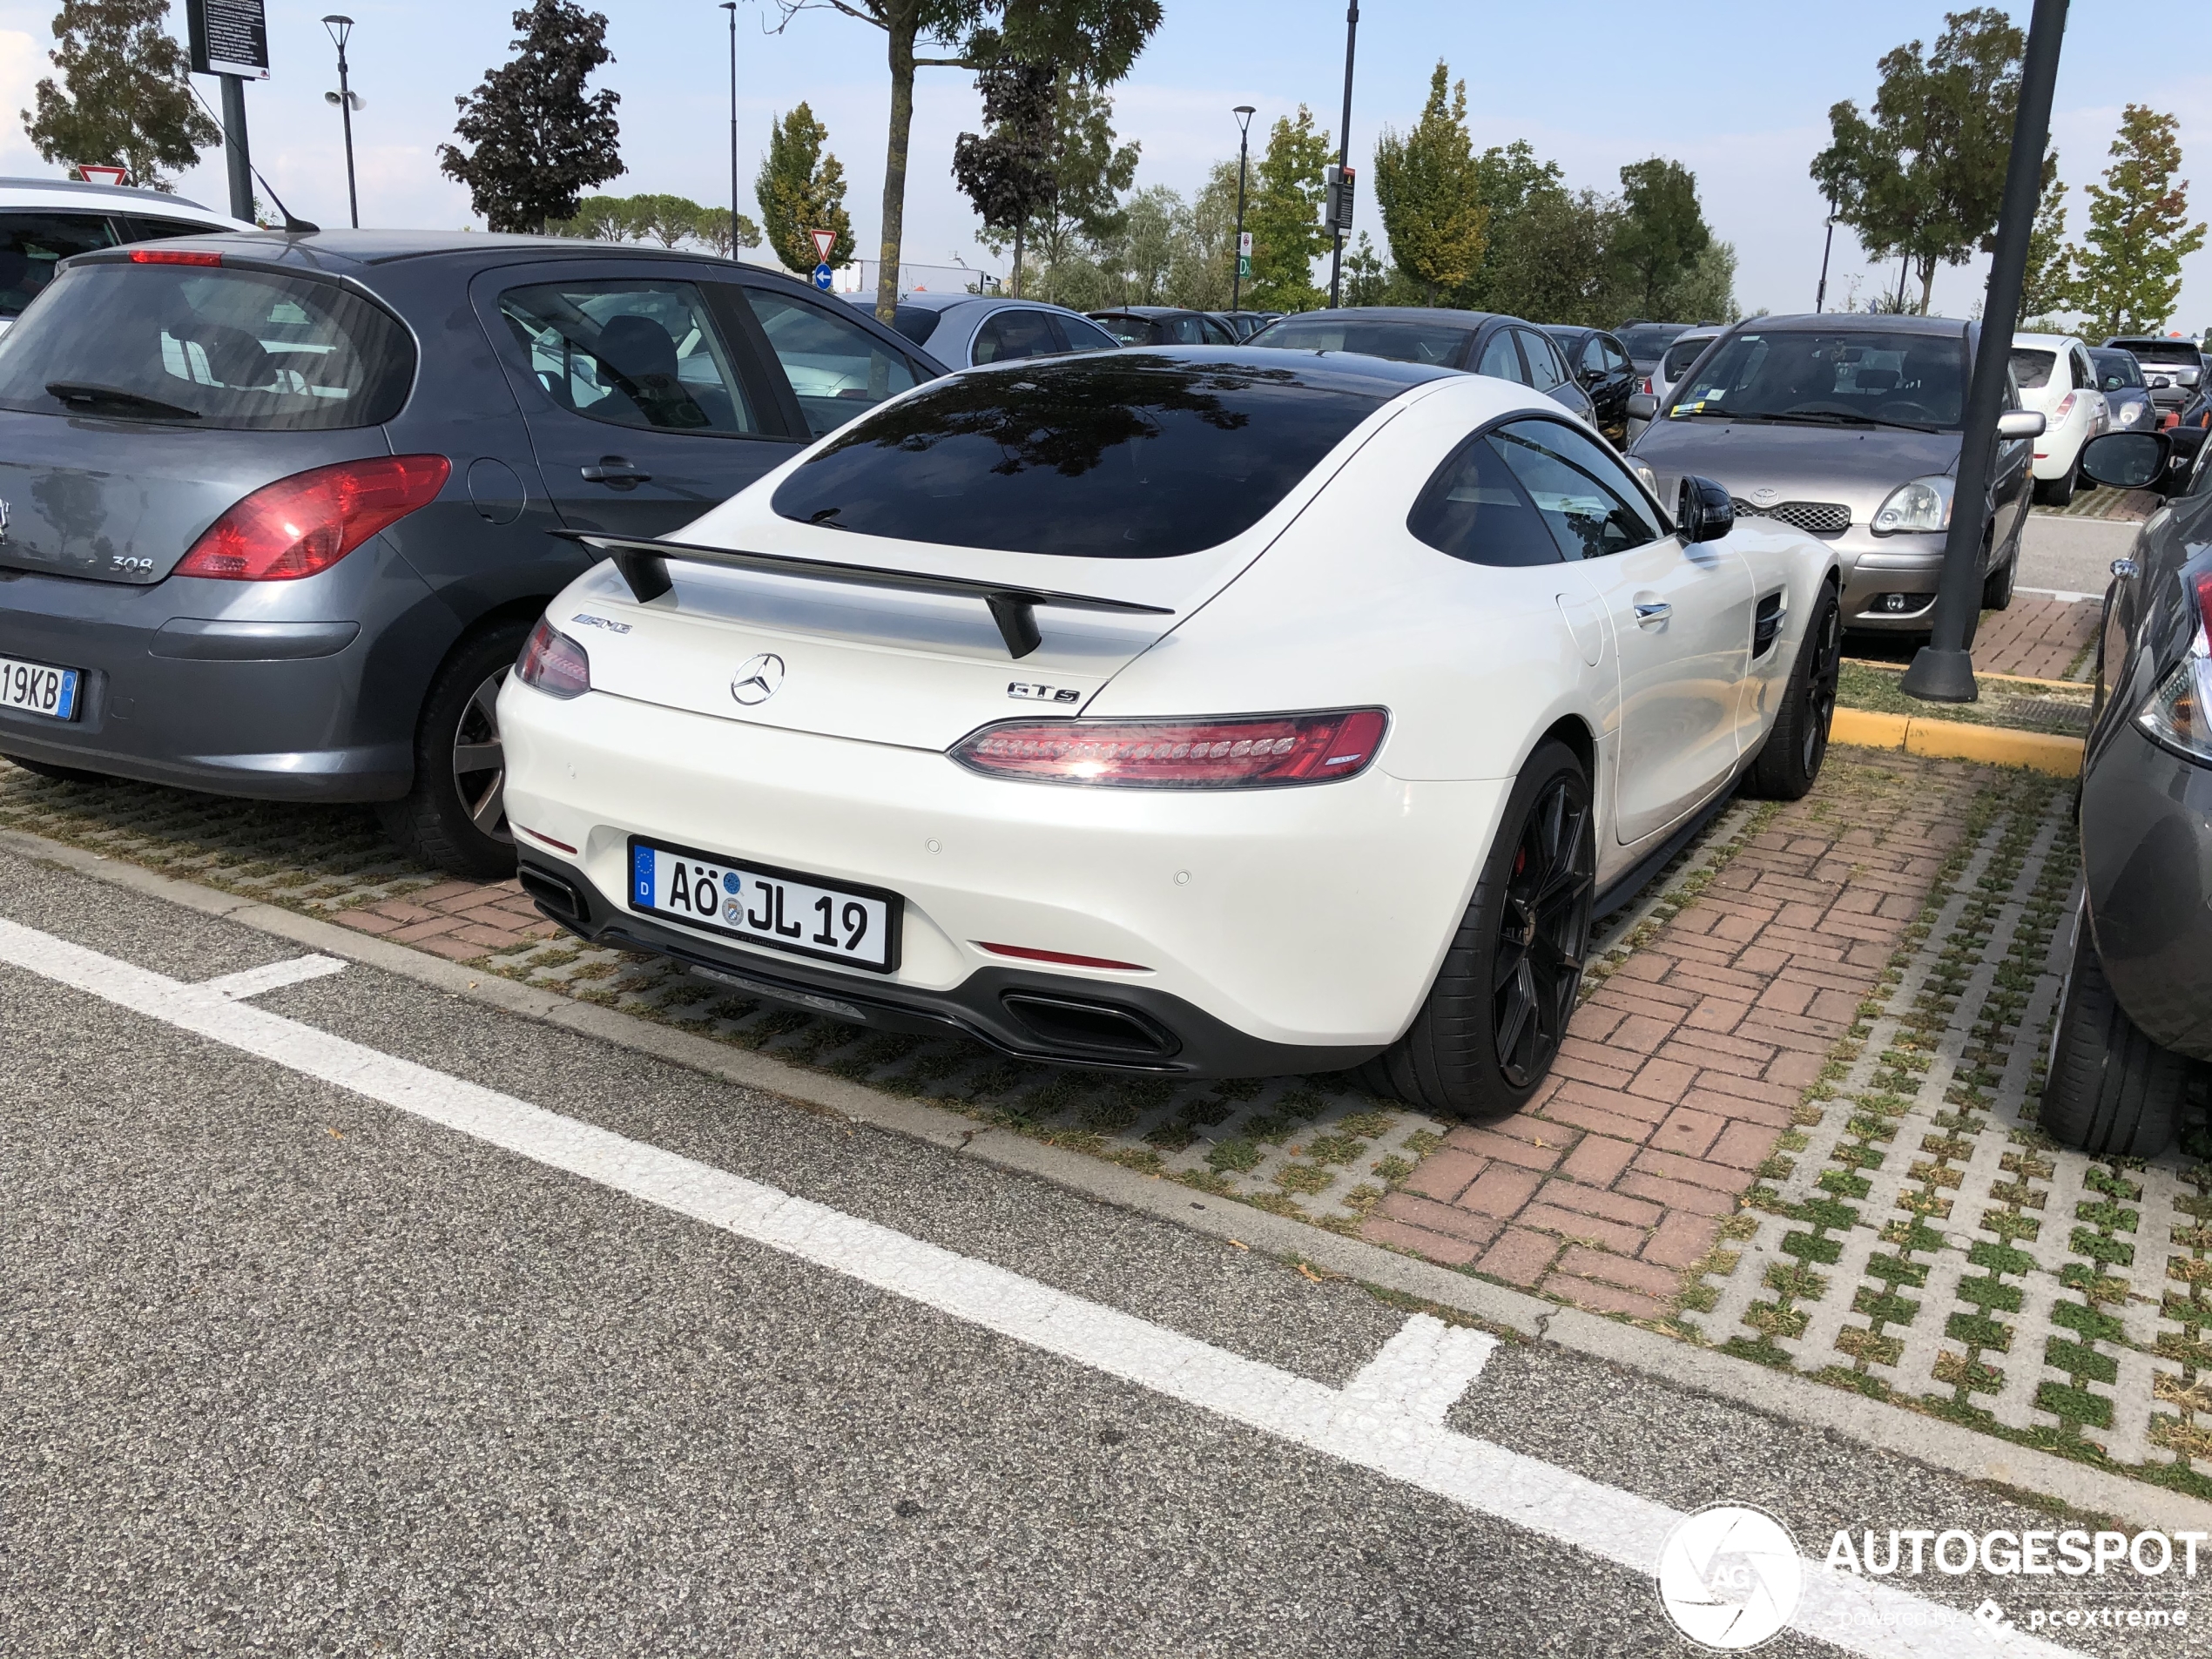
(1766, 626)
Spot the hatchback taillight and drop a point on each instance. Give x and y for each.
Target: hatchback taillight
(306, 523)
(2065, 408)
(1258, 750)
(554, 664)
(2179, 713)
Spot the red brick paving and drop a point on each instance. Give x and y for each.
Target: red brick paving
(2037, 637)
(1679, 1073)
(459, 920)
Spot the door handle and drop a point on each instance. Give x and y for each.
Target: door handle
(614, 470)
(1647, 616)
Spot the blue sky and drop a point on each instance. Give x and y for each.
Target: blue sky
(1738, 92)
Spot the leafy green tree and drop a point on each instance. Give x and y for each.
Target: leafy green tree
(801, 188)
(1507, 178)
(2050, 285)
(1006, 171)
(600, 218)
(2139, 231)
(123, 99)
(1283, 215)
(1366, 279)
(1558, 266)
(1706, 293)
(1090, 171)
(714, 228)
(540, 140)
(1142, 255)
(1205, 257)
(1096, 40)
(1662, 235)
(666, 220)
(1427, 187)
(1924, 179)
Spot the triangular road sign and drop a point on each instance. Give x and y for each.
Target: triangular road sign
(824, 241)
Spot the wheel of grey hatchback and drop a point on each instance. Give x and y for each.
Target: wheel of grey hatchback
(455, 818)
(2111, 1090)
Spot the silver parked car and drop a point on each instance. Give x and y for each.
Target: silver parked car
(968, 330)
(1848, 428)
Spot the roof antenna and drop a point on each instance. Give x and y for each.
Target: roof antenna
(292, 227)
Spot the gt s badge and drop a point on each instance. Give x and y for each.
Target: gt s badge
(1043, 693)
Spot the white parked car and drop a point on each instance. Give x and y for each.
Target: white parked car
(43, 221)
(1183, 710)
(2057, 379)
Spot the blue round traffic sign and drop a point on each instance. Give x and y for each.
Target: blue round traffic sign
(822, 278)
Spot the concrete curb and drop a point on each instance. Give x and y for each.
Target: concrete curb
(1946, 1446)
(1956, 740)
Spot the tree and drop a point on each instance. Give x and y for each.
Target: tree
(1924, 179)
(1366, 279)
(1283, 215)
(1559, 265)
(1205, 245)
(1426, 186)
(714, 228)
(1007, 171)
(1097, 40)
(1662, 235)
(666, 220)
(2050, 285)
(2139, 231)
(123, 100)
(1090, 171)
(1706, 293)
(600, 218)
(1506, 179)
(800, 189)
(540, 140)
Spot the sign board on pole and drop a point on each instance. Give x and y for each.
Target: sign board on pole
(93, 173)
(1245, 254)
(228, 37)
(824, 241)
(823, 277)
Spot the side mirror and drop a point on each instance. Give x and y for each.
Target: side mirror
(1642, 407)
(1704, 512)
(2127, 460)
(2159, 383)
(2020, 424)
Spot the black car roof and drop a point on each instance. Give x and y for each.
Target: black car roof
(1148, 311)
(1469, 320)
(1378, 377)
(1855, 322)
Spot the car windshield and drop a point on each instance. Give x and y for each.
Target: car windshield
(1130, 455)
(1401, 340)
(247, 351)
(2114, 369)
(2032, 367)
(1647, 341)
(1807, 375)
(1682, 354)
(2179, 351)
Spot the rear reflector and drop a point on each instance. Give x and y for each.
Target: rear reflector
(172, 256)
(1028, 955)
(558, 846)
(1257, 751)
(554, 664)
(301, 525)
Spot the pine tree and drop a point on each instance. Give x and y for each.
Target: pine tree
(1284, 216)
(2139, 230)
(123, 100)
(1427, 186)
(540, 140)
(714, 228)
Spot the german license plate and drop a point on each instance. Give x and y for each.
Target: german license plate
(37, 689)
(781, 909)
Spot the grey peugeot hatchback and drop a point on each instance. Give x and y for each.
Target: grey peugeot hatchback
(278, 512)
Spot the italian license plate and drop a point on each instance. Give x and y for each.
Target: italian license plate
(37, 689)
(780, 908)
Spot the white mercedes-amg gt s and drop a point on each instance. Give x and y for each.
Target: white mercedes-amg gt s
(1198, 712)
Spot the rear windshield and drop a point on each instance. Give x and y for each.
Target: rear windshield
(1403, 341)
(242, 351)
(1125, 456)
(917, 323)
(2032, 368)
(1679, 359)
(1647, 342)
(2164, 351)
(2115, 369)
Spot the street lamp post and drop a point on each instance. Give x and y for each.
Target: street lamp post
(1820, 299)
(1243, 113)
(1344, 150)
(731, 6)
(341, 28)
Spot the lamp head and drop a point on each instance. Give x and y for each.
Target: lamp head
(1244, 112)
(340, 26)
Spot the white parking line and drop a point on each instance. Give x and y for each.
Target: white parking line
(1389, 1421)
(271, 976)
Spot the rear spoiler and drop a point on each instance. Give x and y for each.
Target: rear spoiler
(643, 565)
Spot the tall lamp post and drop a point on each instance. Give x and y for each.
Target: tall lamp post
(1344, 151)
(1820, 299)
(1243, 113)
(731, 6)
(341, 28)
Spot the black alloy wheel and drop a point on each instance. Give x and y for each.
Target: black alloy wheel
(1788, 764)
(1543, 931)
(479, 762)
(1821, 679)
(455, 818)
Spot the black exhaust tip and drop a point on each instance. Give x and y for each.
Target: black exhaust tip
(557, 899)
(1083, 1029)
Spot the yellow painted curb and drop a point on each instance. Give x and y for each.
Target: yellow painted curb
(1955, 740)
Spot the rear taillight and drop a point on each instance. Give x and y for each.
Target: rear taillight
(172, 256)
(2065, 408)
(1254, 753)
(553, 663)
(2179, 713)
(304, 524)
(1646, 385)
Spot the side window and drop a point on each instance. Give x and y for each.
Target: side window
(1473, 509)
(640, 353)
(1007, 335)
(1544, 368)
(139, 227)
(1216, 334)
(1614, 358)
(1594, 356)
(1188, 331)
(1500, 359)
(1086, 336)
(837, 368)
(2083, 373)
(1591, 505)
(32, 244)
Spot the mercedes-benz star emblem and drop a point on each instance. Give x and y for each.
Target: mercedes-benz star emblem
(757, 678)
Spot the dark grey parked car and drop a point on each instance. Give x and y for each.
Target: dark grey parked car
(280, 511)
(2134, 1021)
(1481, 342)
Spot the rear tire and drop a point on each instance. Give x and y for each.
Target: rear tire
(2111, 1092)
(1790, 765)
(2059, 492)
(60, 774)
(1490, 1026)
(454, 818)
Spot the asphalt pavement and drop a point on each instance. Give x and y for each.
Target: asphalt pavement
(2072, 555)
(342, 1315)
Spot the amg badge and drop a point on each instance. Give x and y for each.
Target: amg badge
(1031, 693)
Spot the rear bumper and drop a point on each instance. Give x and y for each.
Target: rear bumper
(1278, 929)
(298, 691)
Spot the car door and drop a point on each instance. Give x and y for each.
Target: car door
(1681, 617)
(645, 406)
(831, 368)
